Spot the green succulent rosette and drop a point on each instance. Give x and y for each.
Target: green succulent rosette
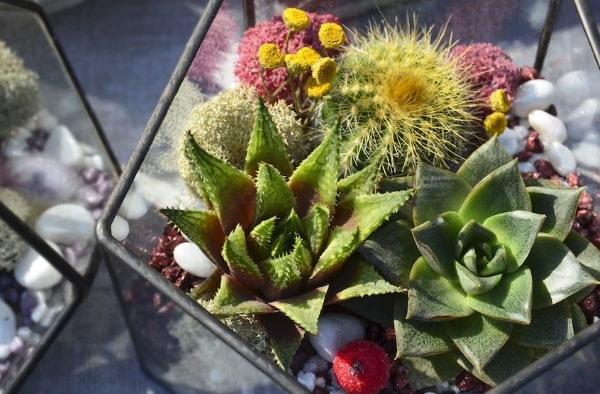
(492, 266)
(284, 240)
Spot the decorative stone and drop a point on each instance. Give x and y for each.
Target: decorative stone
(307, 379)
(189, 257)
(521, 131)
(34, 272)
(66, 224)
(45, 120)
(119, 228)
(16, 145)
(510, 141)
(587, 154)
(574, 87)
(8, 328)
(64, 147)
(334, 330)
(561, 158)
(584, 119)
(533, 94)
(42, 181)
(549, 127)
(134, 205)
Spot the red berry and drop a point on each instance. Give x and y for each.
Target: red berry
(361, 367)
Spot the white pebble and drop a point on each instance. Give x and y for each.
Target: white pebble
(587, 154)
(510, 141)
(134, 205)
(548, 126)
(307, 380)
(521, 131)
(191, 258)
(533, 94)
(38, 313)
(5, 351)
(320, 382)
(34, 272)
(334, 330)
(66, 224)
(24, 333)
(574, 87)
(583, 119)
(51, 313)
(45, 120)
(64, 147)
(8, 325)
(16, 145)
(95, 161)
(560, 157)
(119, 228)
(526, 166)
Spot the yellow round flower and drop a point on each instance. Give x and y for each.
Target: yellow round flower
(499, 101)
(316, 90)
(270, 56)
(301, 60)
(323, 70)
(331, 35)
(295, 20)
(495, 123)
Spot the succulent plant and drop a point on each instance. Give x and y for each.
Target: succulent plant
(284, 239)
(493, 269)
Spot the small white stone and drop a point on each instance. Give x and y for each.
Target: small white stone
(320, 382)
(533, 94)
(119, 228)
(521, 131)
(526, 166)
(95, 161)
(45, 120)
(549, 127)
(34, 272)
(574, 87)
(583, 119)
(307, 380)
(134, 205)
(5, 351)
(191, 258)
(560, 157)
(51, 313)
(587, 154)
(334, 330)
(37, 314)
(66, 224)
(24, 333)
(64, 147)
(16, 145)
(8, 325)
(510, 141)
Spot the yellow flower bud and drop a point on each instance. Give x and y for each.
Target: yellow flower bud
(323, 70)
(499, 101)
(331, 35)
(301, 60)
(270, 56)
(316, 90)
(295, 20)
(495, 123)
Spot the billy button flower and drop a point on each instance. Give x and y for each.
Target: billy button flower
(270, 56)
(302, 60)
(331, 35)
(495, 123)
(295, 20)
(315, 89)
(499, 101)
(323, 70)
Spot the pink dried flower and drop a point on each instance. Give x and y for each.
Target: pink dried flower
(247, 67)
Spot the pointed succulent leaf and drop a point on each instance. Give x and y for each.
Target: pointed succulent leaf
(231, 300)
(392, 251)
(234, 201)
(433, 297)
(208, 287)
(378, 308)
(556, 272)
(273, 196)
(266, 144)
(241, 265)
(510, 300)
(425, 372)
(502, 190)
(474, 284)
(260, 238)
(436, 240)
(577, 318)
(368, 211)
(314, 180)
(286, 232)
(549, 327)
(316, 227)
(358, 279)
(342, 243)
(483, 161)
(418, 338)
(478, 337)
(517, 231)
(201, 227)
(284, 337)
(359, 183)
(437, 191)
(558, 204)
(286, 274)
(587, 254)
(304, 309)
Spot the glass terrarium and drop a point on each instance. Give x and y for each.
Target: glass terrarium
(189, 320)
(57, 173)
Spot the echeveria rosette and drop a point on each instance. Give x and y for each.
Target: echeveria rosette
(498, 271)
(284, 239)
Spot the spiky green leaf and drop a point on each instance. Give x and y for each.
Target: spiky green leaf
(478, 337)
(549, 327)
(241, 265)
(273, 196)
(316, 227)
(503, 190)
(483, 161)
(266, 144)
(260, 238)
(231, 300)
(234, 201)
(424, 372)
(587, 254)
(517, 231)
(286, 274)
(558, 204)
(304, 309)
(285, 235)
(284, 337)
(359, 183)
(201, 227)
(341, 245)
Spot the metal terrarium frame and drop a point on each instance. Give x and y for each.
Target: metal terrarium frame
(119, 258)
